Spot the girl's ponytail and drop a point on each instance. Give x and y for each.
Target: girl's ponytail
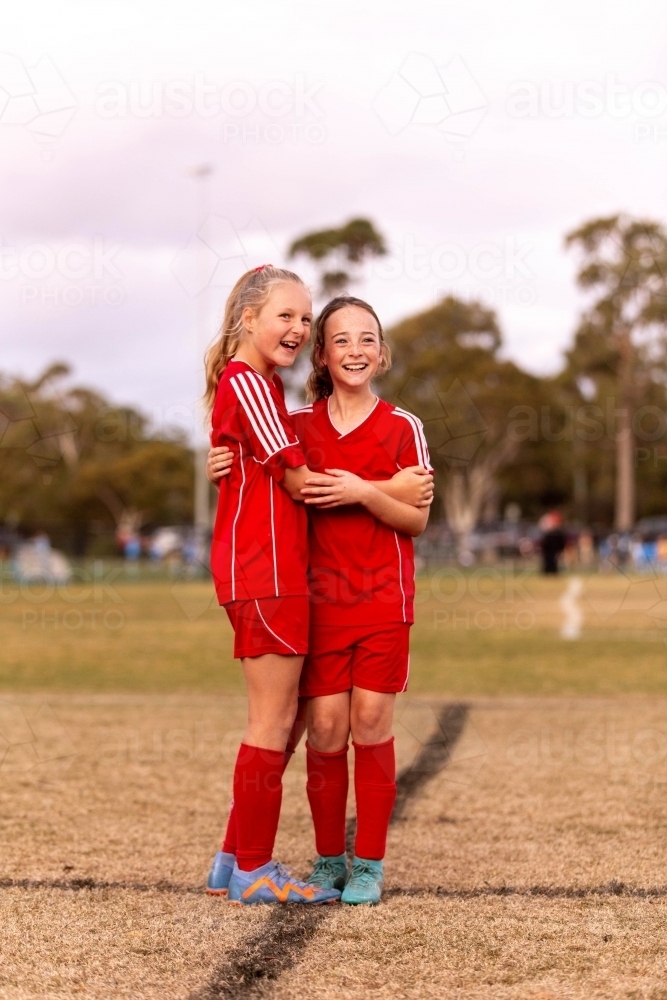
(251, 291)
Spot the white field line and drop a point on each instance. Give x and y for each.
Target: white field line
(573, 616)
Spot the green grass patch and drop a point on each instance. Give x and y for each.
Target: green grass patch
(494, 632)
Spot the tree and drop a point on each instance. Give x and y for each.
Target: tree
(447, 371)
(620, 344)
(150, 483)
(338, 253)
(72, 461)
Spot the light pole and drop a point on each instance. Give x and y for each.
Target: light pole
(202, 505)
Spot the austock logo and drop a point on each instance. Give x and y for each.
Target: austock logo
(36, 98)
(453, 425)
(69, 274)
(20, 429)
(274, 112)
(447, 98)
(218, 253)
(440, 740)
(647, 596)
(32, 740)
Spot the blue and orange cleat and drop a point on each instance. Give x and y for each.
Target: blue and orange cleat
(217, 883)
(364, 886)
(272, 883)
(329, 871)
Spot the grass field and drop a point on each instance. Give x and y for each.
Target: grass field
(530, 864)
(491, 633)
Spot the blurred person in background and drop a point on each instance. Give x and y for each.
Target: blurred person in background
(661, 553)
(586, 549)
(553, 541)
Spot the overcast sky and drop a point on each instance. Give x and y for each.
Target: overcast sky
(474, 134)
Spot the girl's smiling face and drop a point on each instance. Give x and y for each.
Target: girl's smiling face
(281, 328)
(352, 347)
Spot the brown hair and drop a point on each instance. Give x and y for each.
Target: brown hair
(319, 384)
(252, 291)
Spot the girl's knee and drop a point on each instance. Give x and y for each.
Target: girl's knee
(370, 724)
(328, 733)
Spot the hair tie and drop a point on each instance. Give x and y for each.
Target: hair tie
(262, 266)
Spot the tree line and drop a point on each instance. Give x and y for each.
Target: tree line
(81, 468)
(591, 440)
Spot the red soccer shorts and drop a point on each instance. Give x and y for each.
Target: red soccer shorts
(270, 625)
(374, 657)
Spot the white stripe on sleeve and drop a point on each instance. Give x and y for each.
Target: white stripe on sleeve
(272, 429)
(270, 449)
(270, 410)
(420, 441)
(254, 394)
(427, 457)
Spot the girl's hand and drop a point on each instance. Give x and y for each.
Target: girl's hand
(347, 488)
(415, 486)
(219, 463)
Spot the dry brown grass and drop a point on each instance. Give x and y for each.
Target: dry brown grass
(544, 798)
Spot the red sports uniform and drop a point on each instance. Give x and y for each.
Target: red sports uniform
(361, 570)
(259, 553)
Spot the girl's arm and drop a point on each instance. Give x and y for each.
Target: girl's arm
(220, 460)
(412, 486)
(295, 481)
(348, 489)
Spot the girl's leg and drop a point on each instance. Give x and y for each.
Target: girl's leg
(272, 682)
(328, 720)
(229, 842)
(328, 732)
(371, 719)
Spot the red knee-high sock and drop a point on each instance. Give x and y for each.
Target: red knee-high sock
(375, 790)
(229, 841)
(258, 792)
(327, 793)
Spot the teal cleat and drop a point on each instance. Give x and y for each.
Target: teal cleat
(272, 883)
(217, 883)
(329, 871)
(364, 886)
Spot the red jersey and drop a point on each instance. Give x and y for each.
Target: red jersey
(361, 570)
(260, 543)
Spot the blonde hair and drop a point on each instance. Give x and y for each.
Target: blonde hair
(251, 291)
(320, 384)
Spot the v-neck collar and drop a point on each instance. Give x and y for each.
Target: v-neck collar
(269, 381)
(252, 367)
(356, 426)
